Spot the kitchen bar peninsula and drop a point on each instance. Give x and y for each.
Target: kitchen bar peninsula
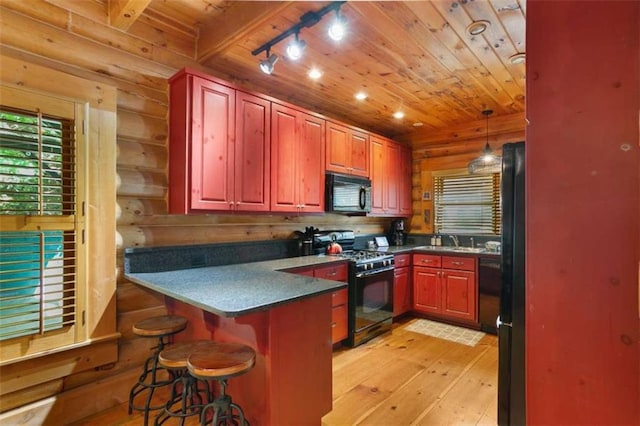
(285, 317)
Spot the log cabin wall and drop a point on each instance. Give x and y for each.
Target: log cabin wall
(75, 38)
(454, 149)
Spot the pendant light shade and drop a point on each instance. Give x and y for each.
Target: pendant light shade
(487, 162)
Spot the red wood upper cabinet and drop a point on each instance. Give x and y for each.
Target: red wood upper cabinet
(405, 183)
(388, 181)
(377, 176)
(297, 177)
(347, 150)
(219, 147)
(252, 153)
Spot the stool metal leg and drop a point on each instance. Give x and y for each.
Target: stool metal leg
(223, 408)
(148, 381)
(186, 395)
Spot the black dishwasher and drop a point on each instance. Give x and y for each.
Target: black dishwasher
(489, 293)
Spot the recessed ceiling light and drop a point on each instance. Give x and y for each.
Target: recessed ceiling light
(517, 58)
(398, 115)
(314, 73)
(361, 96)
(477, 27)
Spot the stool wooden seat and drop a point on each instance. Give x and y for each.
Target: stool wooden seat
(221, 361)
(161, 327)
(186, 397)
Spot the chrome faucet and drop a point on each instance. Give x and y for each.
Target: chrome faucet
(455, 240)
(472, 241)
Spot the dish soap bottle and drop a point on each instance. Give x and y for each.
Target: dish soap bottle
(433, 240)
(438, 240)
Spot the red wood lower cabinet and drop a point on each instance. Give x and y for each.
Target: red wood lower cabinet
(458, 294)
(402, 290)
(447, 287)
(339, 299)
(427, 296)
(291, 382)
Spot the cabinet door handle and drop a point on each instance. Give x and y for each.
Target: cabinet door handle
(332, 274)
(427, 261)
(333, 325)
(457, 263)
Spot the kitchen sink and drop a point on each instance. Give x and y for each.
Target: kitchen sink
(455, 249)
(468, 249)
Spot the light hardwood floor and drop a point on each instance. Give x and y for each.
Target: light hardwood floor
(406, 378)
(400, 378)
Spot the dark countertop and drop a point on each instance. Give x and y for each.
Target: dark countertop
(441, 250)
(234, 290)
(240, 289)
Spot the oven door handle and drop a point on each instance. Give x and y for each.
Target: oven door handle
(374, 272)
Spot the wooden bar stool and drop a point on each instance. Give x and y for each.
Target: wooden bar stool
(220, 362)
(186, 398)
(160, 327)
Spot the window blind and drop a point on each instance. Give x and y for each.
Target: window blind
(37, 179)
(467, 204)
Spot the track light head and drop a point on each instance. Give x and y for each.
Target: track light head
(338, 27)
(295, 48)
(266, 65)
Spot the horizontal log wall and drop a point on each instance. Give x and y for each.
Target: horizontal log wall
(74, 37)
(446, 154)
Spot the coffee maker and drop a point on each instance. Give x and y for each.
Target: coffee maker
(397, 234)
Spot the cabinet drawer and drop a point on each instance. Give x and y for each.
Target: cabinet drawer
(332, 272)
(339, 297)
(426, 260)
(461, 263)
(401, 260)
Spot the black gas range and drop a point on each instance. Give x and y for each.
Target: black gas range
(370, 285)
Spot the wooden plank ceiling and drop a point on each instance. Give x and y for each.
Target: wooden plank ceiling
(416, 57)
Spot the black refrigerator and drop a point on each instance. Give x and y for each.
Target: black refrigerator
(511, 342)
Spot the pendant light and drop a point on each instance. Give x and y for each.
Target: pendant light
(488, 162)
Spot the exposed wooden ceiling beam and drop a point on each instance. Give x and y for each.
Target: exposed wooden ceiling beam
(235, 23)
(123, 13)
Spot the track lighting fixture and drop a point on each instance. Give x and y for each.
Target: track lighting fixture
(266, 65)
(338, 27)
(294, 49)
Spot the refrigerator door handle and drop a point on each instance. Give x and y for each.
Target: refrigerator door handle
(499, 323)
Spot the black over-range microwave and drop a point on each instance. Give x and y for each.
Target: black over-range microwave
(347, 194)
